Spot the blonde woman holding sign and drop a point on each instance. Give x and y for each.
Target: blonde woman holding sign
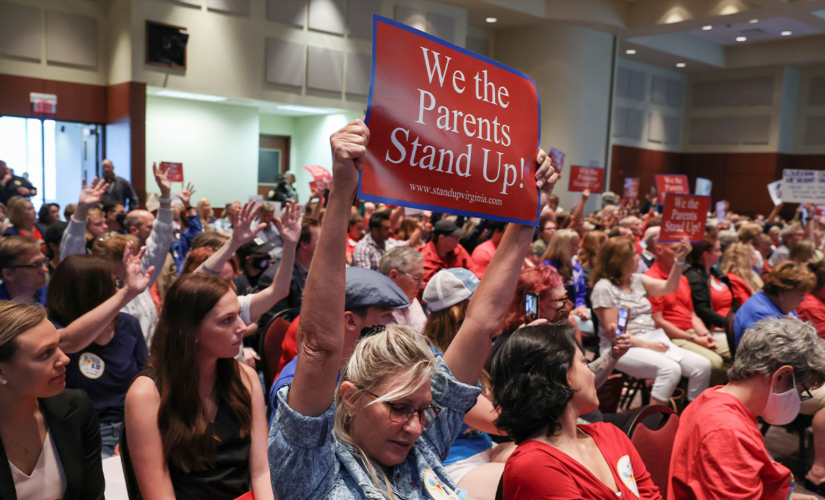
(384, 429)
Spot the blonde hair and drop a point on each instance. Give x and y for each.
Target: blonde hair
(94, 212)
(396, 352)
(15, 318)
(110, 246)
(738, 260)
(200, 206)
(802, 251)
(17, 208)
(559, 250)
(748, 231)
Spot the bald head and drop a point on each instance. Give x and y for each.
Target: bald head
(139, 223)
(108, 170)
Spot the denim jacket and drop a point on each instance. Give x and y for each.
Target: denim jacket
(307, 460)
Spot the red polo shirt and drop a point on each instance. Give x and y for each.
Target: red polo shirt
(483, 254)
(676, 307)
(457, 258)
(812, 309)
(720, 453)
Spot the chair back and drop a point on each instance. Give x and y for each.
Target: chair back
(272, 348)
(132, 488)
(655, 446)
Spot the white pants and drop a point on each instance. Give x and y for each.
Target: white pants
(645, 363)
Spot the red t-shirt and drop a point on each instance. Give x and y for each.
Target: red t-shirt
(721, 298)
(483, 254)
(813, 309)
(290, 344)
(676, 307)
(720, 454)
(741, 292)
(350, 246)
(538, 471)
(457, 258)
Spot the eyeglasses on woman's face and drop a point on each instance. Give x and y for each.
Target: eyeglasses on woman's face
(401, 413)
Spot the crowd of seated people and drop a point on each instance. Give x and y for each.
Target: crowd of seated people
(422, 355)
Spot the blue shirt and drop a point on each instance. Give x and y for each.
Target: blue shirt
(105, 372)
(756, 308)
(285, 377)
(307, 460)
(39, 296)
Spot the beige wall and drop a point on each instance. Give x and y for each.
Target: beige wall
(571, 67)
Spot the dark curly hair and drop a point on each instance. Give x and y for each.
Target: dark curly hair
(529, 379)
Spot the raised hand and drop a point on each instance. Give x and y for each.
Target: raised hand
(90, 197)
(546, 176)
(586, 194)
(243, 220)
(683, 250)
(289, 224)
(162, 178)
(621, 343)
(186, 194)
(349, 152)
(136, 281)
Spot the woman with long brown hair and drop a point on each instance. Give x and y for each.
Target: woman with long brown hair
(561, 253)
(195, 419)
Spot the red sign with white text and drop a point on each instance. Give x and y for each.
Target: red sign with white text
(175, 171)
(631, 187)
(450, 131)
(684, 215)
(677, 184)
(582, 178)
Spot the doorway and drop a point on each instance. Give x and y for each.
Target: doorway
(273, 159)
(55, 156)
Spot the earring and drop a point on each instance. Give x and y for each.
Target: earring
(5, 381)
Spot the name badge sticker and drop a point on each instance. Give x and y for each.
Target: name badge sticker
(91, 366)
(625, 470)
(436, 487)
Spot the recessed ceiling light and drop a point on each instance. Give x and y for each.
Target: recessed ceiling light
(706, 28)
(491, 19)
(630, 52)
(680, 65)
(303, 109)
(753, 21)
(188, 95)
(741, 39)
(786, 33)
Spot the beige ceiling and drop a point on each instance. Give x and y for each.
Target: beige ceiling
(667, 32)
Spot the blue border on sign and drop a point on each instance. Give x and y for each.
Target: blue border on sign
(706, 215)
(361, 196)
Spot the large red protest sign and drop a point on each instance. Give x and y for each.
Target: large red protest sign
(450, 131)
(684, 215)
(175, 173)
(631, 187)
(582, 178)
(677, 184)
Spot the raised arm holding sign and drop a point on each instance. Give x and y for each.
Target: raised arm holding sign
(452, 131)
(684, 216)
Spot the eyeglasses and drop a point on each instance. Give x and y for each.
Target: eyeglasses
(806, 395)
(401, 413)
(560, 299)
(417, 279)
(34, 265)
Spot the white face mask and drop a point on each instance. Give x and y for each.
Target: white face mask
(781, 409)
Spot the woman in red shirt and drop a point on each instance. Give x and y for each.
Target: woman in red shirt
(812, 308)
(719, 452)
(541, 385)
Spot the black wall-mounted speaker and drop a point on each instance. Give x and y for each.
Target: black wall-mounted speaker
(166, 45)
